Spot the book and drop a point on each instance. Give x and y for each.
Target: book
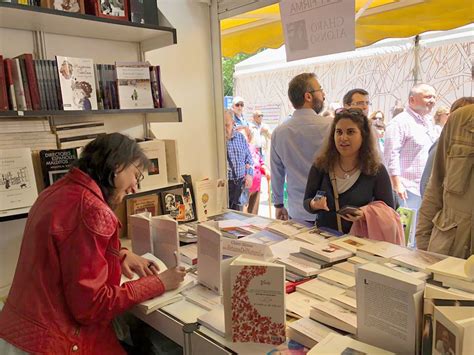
(338, 344)
(4, 106)
(350, 243)
(140, 233)
(264, 237)
(447, 281)
(286, 247)
(189, 253)
(24, 79)
(337, 278)
(298, 304)
(214, 320)
(451, 267)
(178, 204)
(77, 83)
(380, 291)
(287, 228)
(308, 332)
(172, 160)
(380, 251)
(55, 164)
(319, 289)
(165, 238)
(20, 96)
(450, 325)
(17, 179)
(254, 301)
(418, 260)
(209, 254)
(326, 252)
(334, 316)
(300, 267)
(345, 301)
(209, 197)
(133, 83)
(316, 263)
(203, 297)
(10, 84)
(166, 298)
(357, 260)
(407, 271)
(139, 204)
(27, 61)
(345, 267)
(156, 175)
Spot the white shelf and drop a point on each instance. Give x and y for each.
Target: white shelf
(34, 18)
(16, 213)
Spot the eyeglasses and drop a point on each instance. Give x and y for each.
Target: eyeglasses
(361, 103)
(260, 115)
(314, 90)
(348, 112)
(239, 104)
(139, 176)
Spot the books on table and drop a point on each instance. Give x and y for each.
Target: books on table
(166, 298)
(346, 267)
(299, 304)
(314, 236)
(209, 251)
(264, 237)
(447, 281)
(77, 81)
(319, 289)
(338, 344)
(418, 260)
(308, 332)
(254, 301)
(453, 330)
(165, 240)
(300, 267)
(287, 228)
(389, 307)
(337, 278)
(334, 316)
(380, 251)
(350, 243)
(408, 271)
(203, 297)
(326, 252)
(451, 267)
(214, 320)
(345, 301)
(133, 84)
(189, 253)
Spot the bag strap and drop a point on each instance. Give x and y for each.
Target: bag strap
(332, 177)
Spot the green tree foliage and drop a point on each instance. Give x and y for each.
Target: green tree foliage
(228, 65)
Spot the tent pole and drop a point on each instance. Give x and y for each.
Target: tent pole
(362, 10)
(416, 68)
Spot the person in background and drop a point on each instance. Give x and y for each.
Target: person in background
(294, 144)
(66, 290)
(357, 98)
(445, 217)
(349, 170)
(463, 101)
(239, 163)
(261, 134)
(259, 170)
(377, 116)
(408, 138)
(240, 123)
(379, 127)
(440, 117)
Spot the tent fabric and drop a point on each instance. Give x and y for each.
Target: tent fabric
(385, 71)
(262, 28)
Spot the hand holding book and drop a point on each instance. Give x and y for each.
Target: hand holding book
(133, 263)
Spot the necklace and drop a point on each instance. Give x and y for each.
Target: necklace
(346, 172)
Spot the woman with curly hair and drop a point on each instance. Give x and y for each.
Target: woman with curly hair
(348, 171)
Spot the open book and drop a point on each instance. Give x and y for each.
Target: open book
(166, 298)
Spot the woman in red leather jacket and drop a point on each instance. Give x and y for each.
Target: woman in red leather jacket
(66, 290)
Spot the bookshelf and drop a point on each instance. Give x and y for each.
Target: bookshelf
(52, 29)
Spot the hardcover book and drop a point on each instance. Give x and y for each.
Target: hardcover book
(156, 176)
(210, 197)
(146, 203)
(56, 163)
(452, 327)
(133, 82)
(254, 301)
(77, 82)
(17, 179)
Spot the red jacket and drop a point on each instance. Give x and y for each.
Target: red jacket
(66, 290)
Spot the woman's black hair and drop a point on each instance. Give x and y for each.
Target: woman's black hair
(102, 158)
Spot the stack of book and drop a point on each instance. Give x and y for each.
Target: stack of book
(32, 133)
(337, 344)
(308, 332)
(450, 272)
(73, 135)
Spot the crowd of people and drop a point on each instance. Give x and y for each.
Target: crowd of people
(351, 160)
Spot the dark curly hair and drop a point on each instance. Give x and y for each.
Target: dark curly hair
(101, 158)
(369, 155)
(84, 86)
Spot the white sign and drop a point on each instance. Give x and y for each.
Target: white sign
(317, 27)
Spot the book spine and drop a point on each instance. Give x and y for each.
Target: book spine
(44, 79)
(105, 89)
(78, 138)
(26, 86)
(18, 84)
(98, 86)
(49, 84)
(39, 77)
(113, 74)
(154, 87)
(57, 85)
(10, 85)
(160, 91)
(27, 59)
(3, 87)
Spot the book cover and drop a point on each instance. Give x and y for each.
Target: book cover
(157, 175)
(299, 304)
(55, 164)
(451, 267)
(209, 254)
(326, 252)
(41, 87)
(20, 96)
(172, 160)
(112, 9)
(337, 278)
(3, 87)
(350, 243)
(319, 290)
(133, 82)
(380, 251)
(287, 228)
(27, 60)
(418, 260)
(137, 11)
(74, 6)
(449, 329)
(308, 332)
(210, 197)
(76, 78)
(135, 205)
(178, 204)
(155, 87)
(26, 85)
(255, 303)
(165, 238)
(140, 233)
(334, 316)
(17, 179)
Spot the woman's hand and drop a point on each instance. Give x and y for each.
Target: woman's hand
(133, 263)
(353, 217)
(171, 278)
(319, 204)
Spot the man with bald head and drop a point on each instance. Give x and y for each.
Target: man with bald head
(408, 138)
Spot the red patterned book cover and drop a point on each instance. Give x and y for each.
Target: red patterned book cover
(257, 303)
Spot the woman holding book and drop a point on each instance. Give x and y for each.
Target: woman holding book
(347, 172)
(66, 290)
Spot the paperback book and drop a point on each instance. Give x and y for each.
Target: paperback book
(133, 83)
(56, 163)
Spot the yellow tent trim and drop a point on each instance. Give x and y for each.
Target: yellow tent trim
(249, 32)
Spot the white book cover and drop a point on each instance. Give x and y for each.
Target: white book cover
(259, 222)
(350, 243)
(18, 85)
(140, 233)
(337, 278)
(408, 271)
(209, 257)
(380, 250)
(381, 290)
(337, 344)
(452, 267)
(185, 311)
(357, 260)
(264, 237)
(418, 260)
(299, 304)
(308, 332)
(300, 267)
(326, 252)
(287, 228)
(314, 236)
(203, 297)
(345, 301)
(17, 179)
(164, 234)
(467, 286)
(77, 80)
(319, 289)
(449, 329)
(231, 223)
(254, 301)
(335, 316)
(437, 292)
(133, 83)
(156, 176)
(210, 196)
(214, 320)
(286, 247)
(346, 267)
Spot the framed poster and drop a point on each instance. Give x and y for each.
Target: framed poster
(75, 6)
(113, 9)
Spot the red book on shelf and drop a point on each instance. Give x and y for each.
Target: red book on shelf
(32, 80)
(10, 84)
(3, 87)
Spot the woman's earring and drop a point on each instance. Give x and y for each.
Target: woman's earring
(115, 174)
